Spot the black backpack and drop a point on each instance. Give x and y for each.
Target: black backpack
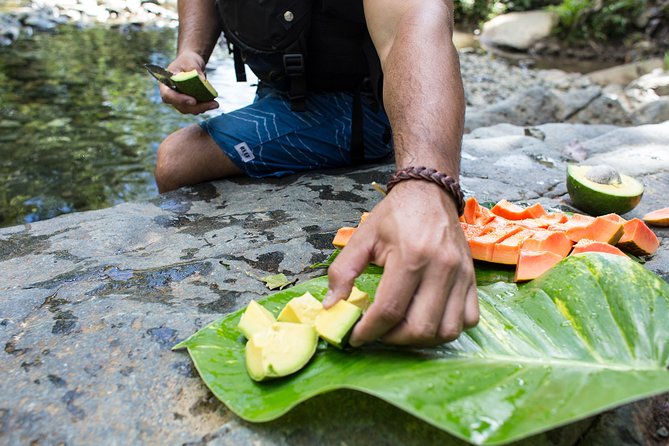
(299, 46)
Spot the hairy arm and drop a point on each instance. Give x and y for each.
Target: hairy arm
(199, 30)
(428, 293)
(423, 91)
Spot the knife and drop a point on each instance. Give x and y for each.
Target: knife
(161, 74)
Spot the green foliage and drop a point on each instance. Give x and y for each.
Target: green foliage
(598, 20)
(587, 336)
(579, 19)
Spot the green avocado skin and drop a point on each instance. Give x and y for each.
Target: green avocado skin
(195, 88)
(597, 203)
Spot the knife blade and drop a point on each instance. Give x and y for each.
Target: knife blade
(161, 74)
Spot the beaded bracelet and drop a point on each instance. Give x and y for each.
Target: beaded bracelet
(447, 182)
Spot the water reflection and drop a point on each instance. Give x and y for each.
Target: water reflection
(80, 119)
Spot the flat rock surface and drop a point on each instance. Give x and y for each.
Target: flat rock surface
(92, 302)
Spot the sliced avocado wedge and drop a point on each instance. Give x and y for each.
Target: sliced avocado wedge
(255, 319)
(600, 190)
(301, 309)
(336, 323)
(359, 298)
(280, 350)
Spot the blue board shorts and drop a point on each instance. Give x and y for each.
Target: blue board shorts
(267, 139)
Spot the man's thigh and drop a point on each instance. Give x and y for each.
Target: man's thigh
(266, 138)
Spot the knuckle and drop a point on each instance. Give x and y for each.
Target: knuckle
(450, 332)
(336, 272)
(472, 320)
(390, 313)
(424, 332)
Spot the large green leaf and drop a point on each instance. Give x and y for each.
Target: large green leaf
(591, 334)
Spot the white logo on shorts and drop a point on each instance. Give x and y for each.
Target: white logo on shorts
(244, 152)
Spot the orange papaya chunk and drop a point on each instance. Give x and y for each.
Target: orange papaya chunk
(553, 241)
(508, 210)
(506, 252)
(532, 264)
(482, 246)
(476, 214)
(575, 221)
(363, 217)
(553, 218)
(601, 229)
(586, 245)
(535, 211)
(659, 217)
(472, 231)
(511, 211)
(531, 223)
(615, 218)
(638, 239)
(343, 236)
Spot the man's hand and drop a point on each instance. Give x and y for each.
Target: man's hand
(186, 61)
(427, 294)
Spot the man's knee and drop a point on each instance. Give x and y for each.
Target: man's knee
(168, 164)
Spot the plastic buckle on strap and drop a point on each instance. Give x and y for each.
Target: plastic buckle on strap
(294, 64)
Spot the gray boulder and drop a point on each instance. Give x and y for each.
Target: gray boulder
(519, 30)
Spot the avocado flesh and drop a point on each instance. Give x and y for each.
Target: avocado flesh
(336, 323)
(301, 309)
(359, 298)
(255, 319)
(280, 350)
(600, 199)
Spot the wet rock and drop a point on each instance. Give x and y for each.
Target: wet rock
(624, 74)
(519, 30)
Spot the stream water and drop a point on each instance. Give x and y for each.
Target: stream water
(80, 119)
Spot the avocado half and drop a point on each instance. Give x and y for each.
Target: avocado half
(600, 190)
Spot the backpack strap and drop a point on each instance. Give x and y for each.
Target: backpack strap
(240, 71)
(357, 136)
(293, 64)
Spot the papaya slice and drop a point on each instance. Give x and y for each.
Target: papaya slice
(482, 246)
(363, 217)
(553, 241)
(475, 214)
(531, 223)
(586, 245)
(532, 264)
(615, 218)
(511, 211)
(575, 221)
(506, 252)
(601, 229)
(343, 236)
(659, 217)
(535, 211)
(472, 231)
(552, 218)
(638, 239)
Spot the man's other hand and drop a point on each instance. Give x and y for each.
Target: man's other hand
(186, 61)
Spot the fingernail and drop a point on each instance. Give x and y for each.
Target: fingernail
(354, 343)
(329, 299)
(191, 102)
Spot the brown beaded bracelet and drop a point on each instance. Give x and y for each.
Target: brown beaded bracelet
(424, 173)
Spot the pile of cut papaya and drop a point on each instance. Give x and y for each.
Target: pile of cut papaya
(534, 240)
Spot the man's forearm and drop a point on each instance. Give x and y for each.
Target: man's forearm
(423, 93)
(199, 27)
